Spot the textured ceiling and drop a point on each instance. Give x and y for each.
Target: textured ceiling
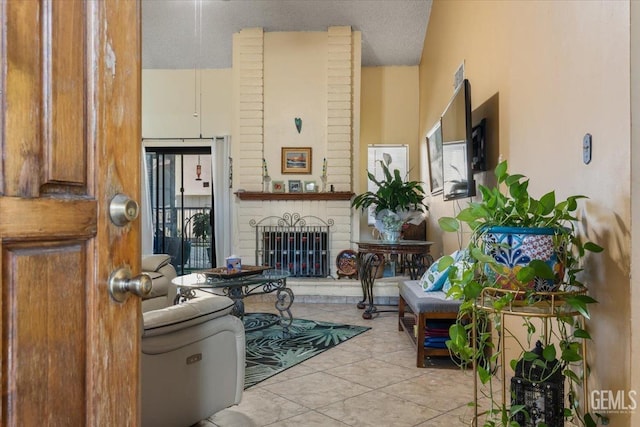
(392, 30)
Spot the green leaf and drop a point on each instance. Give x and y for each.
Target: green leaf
(540, 363)
(579, 303)
(571, 355)
(480, 256)
(501, 171)
(466, 215)
(516, 189)
(483, 374)
(448, 224)
(445, 262)
(517, 408)
(458, 335)
(572, 375)
(592, 247)
(549, 353)
(581, 333)
(513, 179)
(472, 290)
(548, 202)
(542, 269)
(529, 356)
(588, 421)
(526, 274)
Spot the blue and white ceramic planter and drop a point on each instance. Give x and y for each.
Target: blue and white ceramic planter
(514, 248)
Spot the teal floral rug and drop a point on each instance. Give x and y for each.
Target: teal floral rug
(269, 353)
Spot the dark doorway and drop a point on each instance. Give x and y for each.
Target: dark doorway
(181, 199)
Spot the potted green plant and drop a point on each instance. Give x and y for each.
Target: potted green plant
(498, 270)
(395, 201)
(201, 225)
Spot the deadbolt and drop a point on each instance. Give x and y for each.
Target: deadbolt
(123, 209)
(121, 283)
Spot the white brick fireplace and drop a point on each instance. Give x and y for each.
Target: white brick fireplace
(337, 210)
(314, 77)
(328, 289)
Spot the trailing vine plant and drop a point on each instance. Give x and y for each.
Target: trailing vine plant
(484, 298)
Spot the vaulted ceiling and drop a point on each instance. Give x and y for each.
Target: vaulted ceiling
(198, 33)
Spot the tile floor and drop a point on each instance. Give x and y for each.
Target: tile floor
(370, 380)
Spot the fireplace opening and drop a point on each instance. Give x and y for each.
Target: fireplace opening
(294, 243)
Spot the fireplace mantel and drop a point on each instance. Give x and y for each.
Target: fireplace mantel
(259, 195)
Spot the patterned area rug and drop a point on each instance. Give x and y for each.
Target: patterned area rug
(269, 353)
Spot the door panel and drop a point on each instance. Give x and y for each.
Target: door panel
(69, 142)
(47, 332)
(64, 89)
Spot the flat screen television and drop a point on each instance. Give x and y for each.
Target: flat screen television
(457, 146)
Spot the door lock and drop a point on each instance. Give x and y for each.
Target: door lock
(123, 209)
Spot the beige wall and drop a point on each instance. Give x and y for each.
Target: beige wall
(552, 71)
(295, 85)
(635, 201)
(172, 98)
(389, 115)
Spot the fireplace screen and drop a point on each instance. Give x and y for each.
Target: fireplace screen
(297, 244)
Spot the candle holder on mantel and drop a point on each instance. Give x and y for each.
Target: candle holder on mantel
(323, 178)
(266, 183)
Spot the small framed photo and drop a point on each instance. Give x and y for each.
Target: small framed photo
(295, 186)
(296, 160)
(277, 186)
(310, 187)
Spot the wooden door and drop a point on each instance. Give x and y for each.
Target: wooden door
(69, 141)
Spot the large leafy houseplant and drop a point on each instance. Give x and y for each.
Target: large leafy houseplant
(202, 230)
(479, 280)
(395, 201)
(201, 223)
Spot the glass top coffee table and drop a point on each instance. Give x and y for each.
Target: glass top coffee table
(239, 286)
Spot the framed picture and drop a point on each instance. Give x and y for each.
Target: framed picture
(277, 186)
(310, 187)
(296, 160)
(295, 186)
(434, 148)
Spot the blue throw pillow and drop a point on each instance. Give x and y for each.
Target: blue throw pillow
(433, 280)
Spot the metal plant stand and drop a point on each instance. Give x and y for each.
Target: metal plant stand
(550, 307)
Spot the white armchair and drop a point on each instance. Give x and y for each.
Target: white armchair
(193, 360)
(159, 268)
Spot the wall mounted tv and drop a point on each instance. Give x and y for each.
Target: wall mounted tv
(457, 148)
